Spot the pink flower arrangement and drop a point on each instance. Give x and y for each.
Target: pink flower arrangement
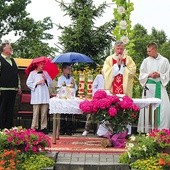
(119, 112)
(162, 137)
(31, 140)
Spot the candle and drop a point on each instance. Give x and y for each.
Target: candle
(89, 85)
(81, 85)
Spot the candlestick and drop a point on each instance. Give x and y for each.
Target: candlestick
(81, 85)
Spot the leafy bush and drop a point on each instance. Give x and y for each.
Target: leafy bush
(37, 162)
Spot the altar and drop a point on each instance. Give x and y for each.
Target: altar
(59, 106)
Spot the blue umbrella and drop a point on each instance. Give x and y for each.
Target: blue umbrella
(72, 57)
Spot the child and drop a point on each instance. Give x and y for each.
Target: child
(38, 81)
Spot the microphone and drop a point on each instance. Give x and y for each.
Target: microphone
(119, 59)
(146, 87)
(119, 66)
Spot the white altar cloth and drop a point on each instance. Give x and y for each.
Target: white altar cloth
(65, 106)
(71, 106)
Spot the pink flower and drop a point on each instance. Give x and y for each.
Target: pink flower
(86, 106)
(100, 94)
(29, 138)
(112, 111)
(119, 112)
(161, 136)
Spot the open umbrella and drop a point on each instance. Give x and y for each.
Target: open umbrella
(50, 67)
(72, 57)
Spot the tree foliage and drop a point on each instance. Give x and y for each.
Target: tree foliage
(141, 38)
(14, 18)
(82, 35)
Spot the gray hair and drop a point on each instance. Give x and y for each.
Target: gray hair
(117, 43)
(2, 46)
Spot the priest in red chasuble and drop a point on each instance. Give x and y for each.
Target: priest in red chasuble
(119, 70)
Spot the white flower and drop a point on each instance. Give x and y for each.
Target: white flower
(129, 154)
(144, 148)
(132, 138)
(15, 128)
(123, 24)
(121, 10)
(129, 146)
(124, 39)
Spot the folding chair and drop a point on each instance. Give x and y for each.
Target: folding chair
(25, 108)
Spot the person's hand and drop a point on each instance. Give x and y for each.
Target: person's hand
(154, 75)
(119, 59)
(41, 82)
(43, 76)
(72, 83)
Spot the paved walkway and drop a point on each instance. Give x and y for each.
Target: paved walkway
(88, 161)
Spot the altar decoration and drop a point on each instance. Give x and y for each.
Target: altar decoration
(81, 85)
(89, 85)
(63, 92)
(119, 112)
(67, 91)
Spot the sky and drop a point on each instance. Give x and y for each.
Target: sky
(149, 13)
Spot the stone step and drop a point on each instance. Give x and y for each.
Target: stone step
(88, 161)
(90, 167)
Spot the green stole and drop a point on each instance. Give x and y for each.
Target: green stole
(157, 94)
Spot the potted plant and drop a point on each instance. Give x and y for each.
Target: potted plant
(119, 112)
(110, 108)
(27, 139)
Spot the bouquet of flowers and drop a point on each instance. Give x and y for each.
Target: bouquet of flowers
(119, 112)
(27, 139)
(161, 137)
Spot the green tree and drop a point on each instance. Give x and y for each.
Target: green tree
(165, 50)
(159, 36)
(82, 35)
(13, 17)
(141, 38)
